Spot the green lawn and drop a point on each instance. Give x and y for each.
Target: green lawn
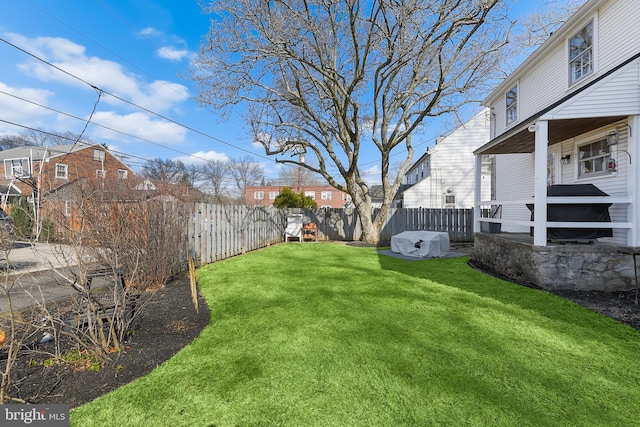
(334, 335)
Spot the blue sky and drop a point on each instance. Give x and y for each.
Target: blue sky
(136, 50)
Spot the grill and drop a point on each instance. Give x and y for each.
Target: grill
(583, 212)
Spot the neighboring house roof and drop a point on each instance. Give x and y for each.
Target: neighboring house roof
(10, 190)
(50, 151)
(417, 162)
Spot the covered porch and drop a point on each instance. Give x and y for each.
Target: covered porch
(583, 116)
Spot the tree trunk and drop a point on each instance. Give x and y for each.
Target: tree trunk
(370, 232)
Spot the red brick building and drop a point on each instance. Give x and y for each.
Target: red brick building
(324, 195)
(48, 168)
(47, 172)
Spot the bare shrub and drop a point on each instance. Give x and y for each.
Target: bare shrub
(127, 240)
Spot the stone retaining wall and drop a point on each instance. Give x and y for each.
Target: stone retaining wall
(570, 266)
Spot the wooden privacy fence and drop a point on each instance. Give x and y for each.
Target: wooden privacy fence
(344, 224)
(217, 232)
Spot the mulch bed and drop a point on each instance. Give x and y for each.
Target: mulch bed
(166, 322)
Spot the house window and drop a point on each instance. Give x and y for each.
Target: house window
(581, 53)
(311, 194)
(594, 159)
(485, 163)
(258, 195)
(449, 201)
(326, 195)
(62, 171)
(512, 104)
(273, 195)
(16, 168)
(67, 208)
(101, 173)
(123, 174)
(98, 155)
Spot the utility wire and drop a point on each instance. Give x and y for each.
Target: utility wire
(100, 45)
(100, 125)
(119, 98)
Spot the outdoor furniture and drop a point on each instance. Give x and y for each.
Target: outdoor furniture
(293, 232)
(107, 307)
(421, 244)
(310, 232)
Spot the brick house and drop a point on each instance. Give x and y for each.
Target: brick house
(324, 195)
(45, 174)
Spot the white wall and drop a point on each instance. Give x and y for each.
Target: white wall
(452, 165)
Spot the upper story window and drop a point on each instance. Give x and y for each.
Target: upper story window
(123, 173)
(101, 173)
(311, 194)
(62, 171)
(326, 195)
(273, 195)
(98, 155)
(258, 195)
(16, 168)
(512, 104)
(594, 159)
(581, 53)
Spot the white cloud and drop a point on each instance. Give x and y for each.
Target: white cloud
(150, 32)
(22, 112)
(203, 156)
(140, 125)
(159, 95)
(172, 53)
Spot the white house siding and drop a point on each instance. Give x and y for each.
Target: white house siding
(452, 166)
(615, 184)
(617, 39)
(520, 168)
(619, 33)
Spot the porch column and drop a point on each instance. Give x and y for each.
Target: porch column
(477, 195)
(633, 212)
(540, 183)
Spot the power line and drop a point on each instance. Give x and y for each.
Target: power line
(119, 98)
(99, 125)
(100, 45)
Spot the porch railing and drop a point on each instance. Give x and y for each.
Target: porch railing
(486, 205)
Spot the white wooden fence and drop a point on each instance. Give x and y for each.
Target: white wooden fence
(217, 232)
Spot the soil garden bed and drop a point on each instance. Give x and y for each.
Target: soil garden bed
(164, 324)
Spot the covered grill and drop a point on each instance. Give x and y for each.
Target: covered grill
(584, 212)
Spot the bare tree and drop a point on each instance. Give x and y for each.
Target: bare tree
(336, 78)
(164, 171)
(245, 172)
(291, 176)
(533, 30)
(8, 142)
(214, 174)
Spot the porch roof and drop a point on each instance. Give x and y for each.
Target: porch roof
(581, 111)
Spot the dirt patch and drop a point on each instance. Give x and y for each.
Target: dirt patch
(165, 323)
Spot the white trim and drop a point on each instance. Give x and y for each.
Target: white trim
(540, 183)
